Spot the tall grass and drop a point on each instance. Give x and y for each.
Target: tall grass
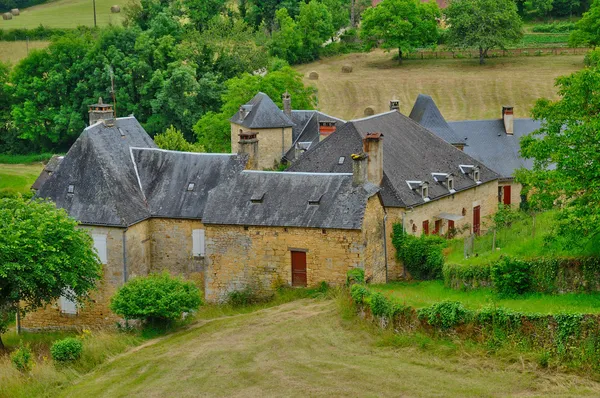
(24, 159)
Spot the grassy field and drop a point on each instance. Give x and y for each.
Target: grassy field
(462, 88)
(18, 177)
(13, 51)
(65, 14)
(423, 294)
(304, 348)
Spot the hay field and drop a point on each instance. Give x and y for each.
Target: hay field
(14, 51)
(461, 87)
(66, 14)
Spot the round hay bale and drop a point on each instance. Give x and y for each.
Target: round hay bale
(6, 16)
(369, 111)
(115, 9)
(347, 69)
(15, 12)
(313, 76)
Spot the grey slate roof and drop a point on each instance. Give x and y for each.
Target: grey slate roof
(427, 114)
(262, 113)
(285, 200)
(410, 153)
(165, 176)
(306, 128)
(99, 166)
(488, 142)
(48, 170)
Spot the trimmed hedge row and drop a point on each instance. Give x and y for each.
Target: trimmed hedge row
(542, 275)
(39, 33)
(571, 338)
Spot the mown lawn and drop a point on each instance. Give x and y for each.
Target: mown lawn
(18, 177)
(423, 294)
(13, 51)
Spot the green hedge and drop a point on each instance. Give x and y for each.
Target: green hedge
(573, 339)
(422, 256)
(545, 275)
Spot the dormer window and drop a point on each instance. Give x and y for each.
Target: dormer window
(341, 160)
(476, 176)
(425, 191)
(466, 168)
(71, 189)
(450, 183)
(190, 186)
(257, 197)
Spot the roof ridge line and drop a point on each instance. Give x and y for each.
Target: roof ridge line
(372, 116)
(295, 173)
(190, 153)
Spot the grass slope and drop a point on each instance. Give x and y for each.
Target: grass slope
(423, 294)
(461, 88)
(13, 51)
(305, 348)
(18, 177)
(65, 14)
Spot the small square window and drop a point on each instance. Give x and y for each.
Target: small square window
(71, 189)
(341, 160)
(476, 175)
(450, 184)
(191, 186)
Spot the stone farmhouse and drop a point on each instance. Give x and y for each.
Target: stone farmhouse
(204, 217)
(494, 142)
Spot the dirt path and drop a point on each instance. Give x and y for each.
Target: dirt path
(304, 348)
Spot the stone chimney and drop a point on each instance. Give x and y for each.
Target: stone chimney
(395, 105)
(287, 104)
(248, 144)
(509, 119)
(326, 128)
(101, 111)
(373, 147)
(359, 169)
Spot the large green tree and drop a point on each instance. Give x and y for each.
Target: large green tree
(588, 27)
(483, 24)
(43, 255)
(286, 39)
(566, 154)
(316, 26)
(401, 24)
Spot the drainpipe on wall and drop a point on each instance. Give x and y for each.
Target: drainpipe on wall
(282, 142)
(125, 255)
(385, 246)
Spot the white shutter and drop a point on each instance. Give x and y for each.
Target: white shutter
(198, 242)
(100, 246)
(67, 306)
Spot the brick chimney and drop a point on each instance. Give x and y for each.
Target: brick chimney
(373, 147)
(326, 128)
(509, 119)
(287, 103)
(101, 111)
(395, 105)
(359, 169)
(248, 144)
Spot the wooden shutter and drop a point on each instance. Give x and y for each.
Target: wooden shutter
(100, 246)
(477, 220)
(67, 306)
(426, 227)
(438, 227)
(507, 194)
(198, 242)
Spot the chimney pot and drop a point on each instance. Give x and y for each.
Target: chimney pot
(248, 144)
(395, 105)
(287, 103)
(509, 119)
(359, 169)
(101, 112)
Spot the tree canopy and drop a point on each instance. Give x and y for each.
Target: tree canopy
(588, 28)
(566, 154)
(43, 255)
(401, 24)
(484, 24)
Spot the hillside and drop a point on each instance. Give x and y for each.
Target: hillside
(462, 89)
(303, 349)
(65, 14)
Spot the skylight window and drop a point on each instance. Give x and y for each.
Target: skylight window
(122, 132)
(341, 160)
(257, 197)
(71, 189)
(315, 201)
(191, 186)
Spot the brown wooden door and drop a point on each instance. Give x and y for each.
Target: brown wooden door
(426, 227)
(438, 227)
(477, 220)
(506, 194)
(298, 268)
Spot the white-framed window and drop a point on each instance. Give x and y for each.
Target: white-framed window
(425, 190)
(450, 183)
(476, 175)
(198, 243)
(67, 306)
(100, 246)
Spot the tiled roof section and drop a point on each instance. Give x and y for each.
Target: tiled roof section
(488, 142)
(306, 128)
(165, 177)
(282, 199)
(50, 168)
(261, 113)
(99, 168)
(410, 153)
(427, 114)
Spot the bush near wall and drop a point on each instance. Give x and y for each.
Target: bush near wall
(422, 256)
(547, 275)
(572, 339)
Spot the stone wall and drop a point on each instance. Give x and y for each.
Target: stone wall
(269, 144)
(374, 236)
(172, 246)
(484, 195)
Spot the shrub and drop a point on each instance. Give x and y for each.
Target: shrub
(359, 293)
(555, 27)
(66, 350)
(380, 305)
(355, 275)
(156, 299)
(445, 315)
(22, 359)
(422, 256)
(466, 276)
(592, 58)
(511, 276)
(241, 298)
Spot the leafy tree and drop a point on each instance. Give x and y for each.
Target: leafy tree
(315, 25)
(202, 11)
(262, 12)
(566, 154)
(539, 8)
(565, 8)
(286, 41)
(173, 140)
(588, 27)
(43, 255)
(340, 13)
(483, 24)
(401, 24)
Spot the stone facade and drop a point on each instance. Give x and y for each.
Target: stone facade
(484, 195)
(515, 192)
(259, 257)
(272, 143)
